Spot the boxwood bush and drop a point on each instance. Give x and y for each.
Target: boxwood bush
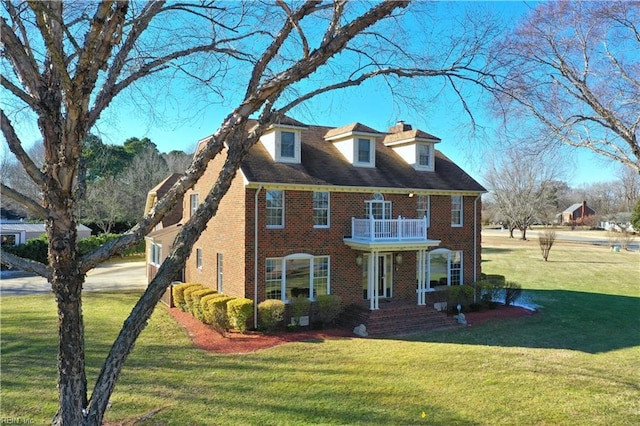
(196, 301)
(329, 307)
(239, 311)
(218, 311)
(178, 294)
(271, 313)
(207, 312)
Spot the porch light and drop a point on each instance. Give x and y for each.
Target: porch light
(399, 258)
(359, 260)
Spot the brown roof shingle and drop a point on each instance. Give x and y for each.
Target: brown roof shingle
(322, 164)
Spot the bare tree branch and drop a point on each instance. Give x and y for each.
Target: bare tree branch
(15, 145)
(25, 264)
(34, 207)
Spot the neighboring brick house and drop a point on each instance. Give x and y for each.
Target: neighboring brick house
(370, 216)
(161, 238)
(579, 214)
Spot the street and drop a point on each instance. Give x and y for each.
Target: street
(105, 277)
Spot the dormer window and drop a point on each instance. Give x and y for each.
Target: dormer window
(356, 142)
(283, 142)
(364, 151)
(424, 156)
(414, 146)
(287, 144)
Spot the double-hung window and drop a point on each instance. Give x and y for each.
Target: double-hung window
(423, 207)
(193, 203)
(364, 151)
(455, 268)
(320, 209)
(199, 258)
(287, 144)
(456, 210)
(275, 208)
(155, 256)
(424, 155)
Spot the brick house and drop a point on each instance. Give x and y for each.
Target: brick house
(370, 216)
(578, 214)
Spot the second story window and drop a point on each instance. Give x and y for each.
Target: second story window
(320, 209)
(193, 202)
(287, 144)
(364, 151)
(275, 208)
(423, 207)
(199, 258)
(456, 210)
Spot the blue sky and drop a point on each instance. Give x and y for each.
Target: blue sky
(183, 120)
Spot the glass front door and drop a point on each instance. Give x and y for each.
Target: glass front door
(384, 279)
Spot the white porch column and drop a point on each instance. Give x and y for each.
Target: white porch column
(370, 281)
(422, 285)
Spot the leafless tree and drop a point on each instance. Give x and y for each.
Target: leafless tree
(102, 203)
(573, 68)
(67, 61)
(521, 187)
(546, 238)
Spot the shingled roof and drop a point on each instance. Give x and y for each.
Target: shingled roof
(322, 164)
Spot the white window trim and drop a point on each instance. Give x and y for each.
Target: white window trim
(328, 225)
(199, 261)
(430, 165)
(283, 268)
(155, 255)
(356, 152)
(296, 146)
(451, 254)
(283, 209)
(461, 223)
(192, 207)
(428, 210)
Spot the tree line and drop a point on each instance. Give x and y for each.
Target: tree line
(115, 178)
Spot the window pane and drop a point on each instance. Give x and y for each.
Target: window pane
(456, 210)
(320, 276)
(193, 199)
(287, 144)
(273, 278)
(298, 278)
(438, 269)
(275, 208)
(423, 155)
(364, 151)
(321, 208)
(456, 268)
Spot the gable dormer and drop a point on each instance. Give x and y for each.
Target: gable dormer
(283, 140)
(414, 146)
(356, 142)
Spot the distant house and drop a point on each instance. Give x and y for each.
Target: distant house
(161, 238)
(578, 214)
(373, 217)
(14, 233)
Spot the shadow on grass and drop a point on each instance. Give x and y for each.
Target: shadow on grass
(587, 322)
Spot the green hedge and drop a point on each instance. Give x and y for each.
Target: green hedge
(207, 313)
(239, 311)
(178, 294)
(217, 309)
(188, 293)
(271, 313)
(329, 307)
(196, 301)
(38, 248)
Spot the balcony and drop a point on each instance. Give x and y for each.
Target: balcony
(389, 230)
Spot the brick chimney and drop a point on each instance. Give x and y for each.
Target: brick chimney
(399, 127)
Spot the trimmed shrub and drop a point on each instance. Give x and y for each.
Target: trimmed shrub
(495, 279)
(239, 311)
(35, 249)
(207, 313)
(196, 301)
(512, 292)
(188, 292)
(218, 309)
(178, 295)
(490, 292)
(329, 307)
(300, 306)
(271, 313)
(459, 294)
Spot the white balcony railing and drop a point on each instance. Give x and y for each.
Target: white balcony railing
(399, 229)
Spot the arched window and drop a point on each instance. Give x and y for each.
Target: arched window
(378, 208)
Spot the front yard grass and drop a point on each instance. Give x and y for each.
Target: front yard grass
(573, 363)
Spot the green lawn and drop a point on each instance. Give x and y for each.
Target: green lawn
(576, 362)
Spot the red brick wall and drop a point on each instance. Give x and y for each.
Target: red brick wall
(224, 234)
(299, 236)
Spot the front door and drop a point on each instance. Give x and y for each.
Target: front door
(385, 281)
(384, 278)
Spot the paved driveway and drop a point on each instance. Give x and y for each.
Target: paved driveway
(105, 277)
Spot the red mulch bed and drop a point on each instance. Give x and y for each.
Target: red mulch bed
(204, 337)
